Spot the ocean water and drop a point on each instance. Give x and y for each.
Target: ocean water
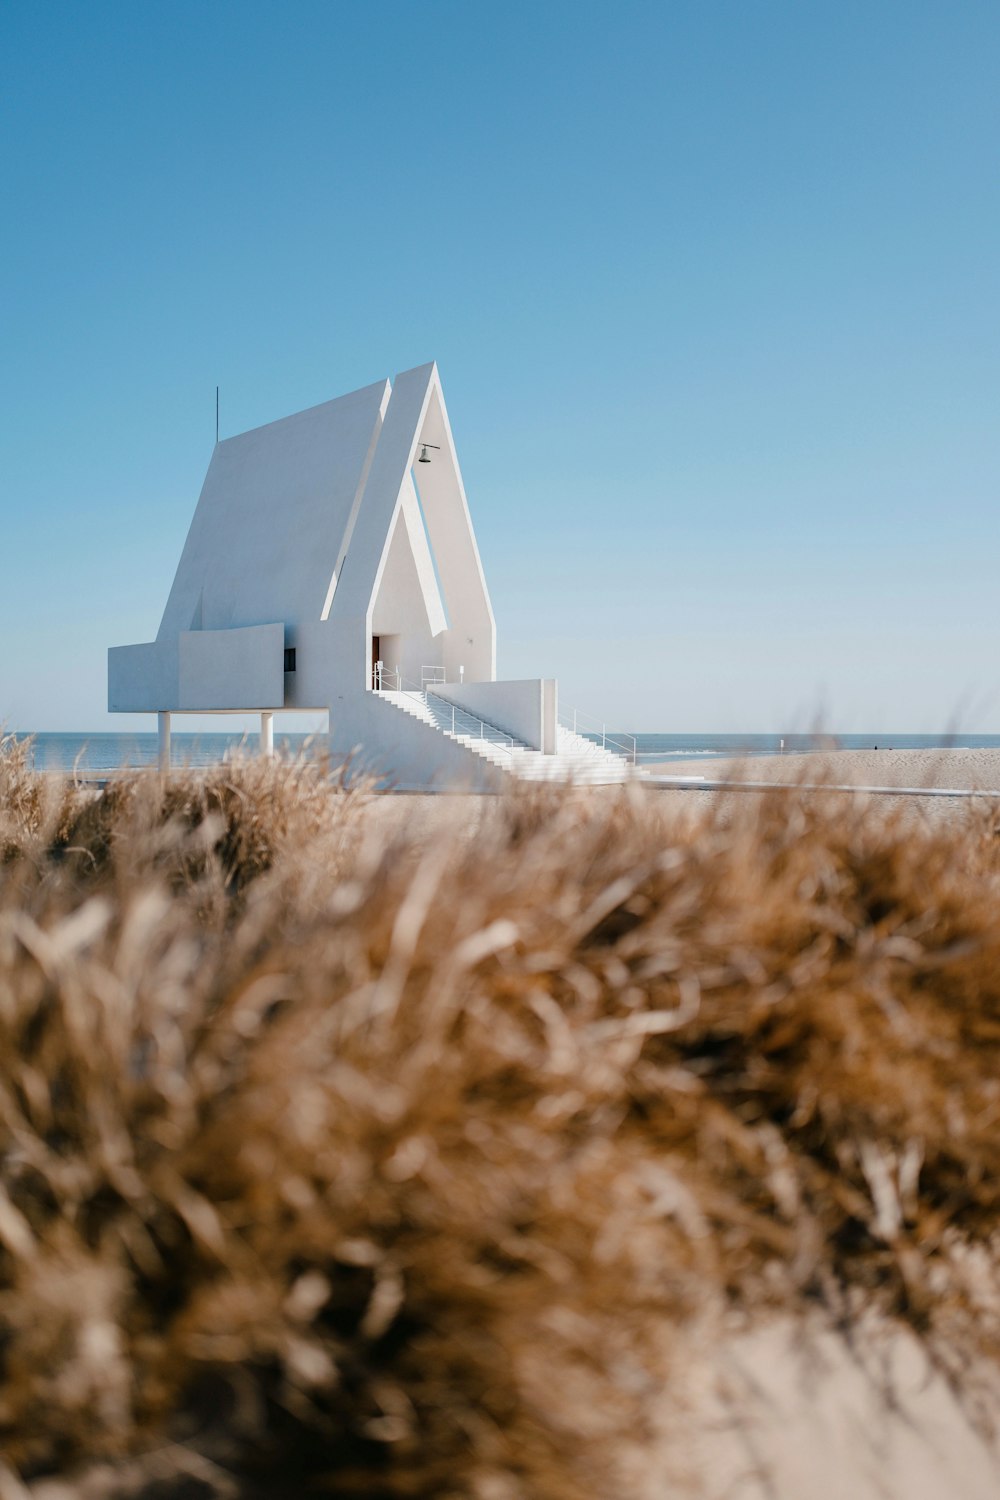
(110, 752)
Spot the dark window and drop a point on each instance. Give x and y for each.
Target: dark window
(289, 658)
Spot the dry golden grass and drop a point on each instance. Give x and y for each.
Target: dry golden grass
(343, 1163)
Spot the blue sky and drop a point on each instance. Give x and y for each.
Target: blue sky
(712, 286)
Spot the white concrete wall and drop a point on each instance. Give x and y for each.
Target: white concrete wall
(515, 707)
(410, 541)
(550, 715)
(230, 669)
(200, 670)
(327, 657)
(407, 615)
(409, 654)
(471, 640)
(142, 678)
(404, 751)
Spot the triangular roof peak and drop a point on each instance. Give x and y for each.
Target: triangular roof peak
(296, 518)
(272, 516)
(364, 394)
(417, 415)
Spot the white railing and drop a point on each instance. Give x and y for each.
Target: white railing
(386, 679)
(463, 723)
(390, 679)
(591, 729)
(393, 681)
(469, 726)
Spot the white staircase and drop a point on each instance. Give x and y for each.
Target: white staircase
(576, 759)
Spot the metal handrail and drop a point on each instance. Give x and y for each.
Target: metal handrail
(507, 748)
(401, 684)
(570, 718)
(405, 685)
(390, 679)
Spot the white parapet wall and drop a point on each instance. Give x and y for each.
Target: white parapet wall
(233, 669)
(220, 670)
(524, 708)
(550, 715)
(143, 678)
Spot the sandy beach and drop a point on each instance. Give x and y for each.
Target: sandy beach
(963, 770)
(409, 813)
(958, 770)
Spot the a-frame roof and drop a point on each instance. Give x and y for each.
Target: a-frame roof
(296, 520)
(274, 515)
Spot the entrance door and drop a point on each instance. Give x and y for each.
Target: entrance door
(376, 657)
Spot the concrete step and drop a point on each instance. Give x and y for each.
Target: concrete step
(577, 759)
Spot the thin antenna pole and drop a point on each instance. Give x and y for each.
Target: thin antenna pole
(216, 413)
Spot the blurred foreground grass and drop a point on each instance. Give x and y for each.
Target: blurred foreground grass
(337, 1160)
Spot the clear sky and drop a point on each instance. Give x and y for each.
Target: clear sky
(713, 287)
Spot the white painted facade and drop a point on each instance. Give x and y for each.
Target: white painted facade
(331, 564)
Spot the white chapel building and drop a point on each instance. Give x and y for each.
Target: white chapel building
(331, 565)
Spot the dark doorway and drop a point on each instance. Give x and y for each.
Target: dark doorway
(376, 656)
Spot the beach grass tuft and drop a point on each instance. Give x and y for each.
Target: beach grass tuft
(344, 1157)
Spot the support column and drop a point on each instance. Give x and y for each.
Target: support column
(267, 734)
(163, 731)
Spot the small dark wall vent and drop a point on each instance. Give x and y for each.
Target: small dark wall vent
(289, 658)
